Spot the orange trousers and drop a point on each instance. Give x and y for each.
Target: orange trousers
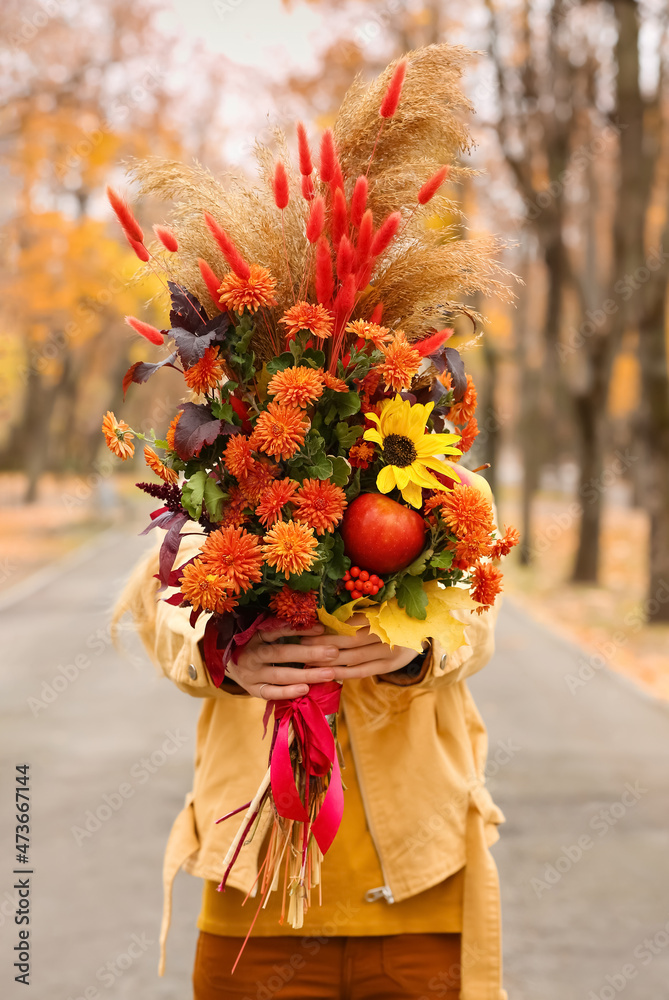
(415, 966)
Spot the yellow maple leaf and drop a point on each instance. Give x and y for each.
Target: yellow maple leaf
(337, 622)
(393, 625)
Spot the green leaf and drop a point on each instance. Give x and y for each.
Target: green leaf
(346, 403)
(347, 435)
(320, 467)
(296, 348)
(417, 567)
(192, 493)
(338, 563)
(442, 560)
(304, 582)
(213, 499)
(159, 443)
(341, 470)
(353, 488)
(316, 359)
(412, 597)
(223, 411)
(280, 364)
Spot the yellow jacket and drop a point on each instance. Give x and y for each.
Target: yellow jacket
(419, 754)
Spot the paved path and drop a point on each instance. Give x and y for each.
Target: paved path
(562, 766)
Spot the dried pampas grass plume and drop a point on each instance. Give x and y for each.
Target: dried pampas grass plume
(422, 274)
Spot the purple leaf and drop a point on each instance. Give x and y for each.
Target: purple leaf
(456, 367)
(170, 547)
(142, 371)
(191, 345)
(196, 427)
(186, 310)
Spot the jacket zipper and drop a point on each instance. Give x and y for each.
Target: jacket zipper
(382, 891)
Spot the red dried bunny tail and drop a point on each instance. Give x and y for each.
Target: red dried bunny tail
(345, 256)
(211, 281)
(145, 330)
(167, 238)
(139, 248)
(228, 248)
(377, 313)
(432, 185)
(358, 201)
(280, 185)
(365, 237)
(308, 189)
(316, 219)
(306, 165)
(123, 213)
(394, 89)
(385, 234)
(324, 278)
(328, 156)
(339, 217)
(430, 344)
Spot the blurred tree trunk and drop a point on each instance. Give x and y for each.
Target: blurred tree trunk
(640, 147)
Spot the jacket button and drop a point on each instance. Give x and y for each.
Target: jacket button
(192, 672)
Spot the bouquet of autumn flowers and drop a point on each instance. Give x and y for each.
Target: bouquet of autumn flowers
(318, 451)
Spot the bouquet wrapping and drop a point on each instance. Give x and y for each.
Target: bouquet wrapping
(318, 449)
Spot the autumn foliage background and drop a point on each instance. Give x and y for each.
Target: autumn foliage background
(572, 136)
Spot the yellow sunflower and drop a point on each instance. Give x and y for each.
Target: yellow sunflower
(408, 451)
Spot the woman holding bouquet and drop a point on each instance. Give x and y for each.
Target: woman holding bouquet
(410, 900)
(311, 492)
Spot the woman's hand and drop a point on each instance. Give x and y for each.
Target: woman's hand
(259, 667)
(362, 654)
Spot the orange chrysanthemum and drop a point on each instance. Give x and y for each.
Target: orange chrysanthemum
(234, 555)
(279, 431)
(249, 293)
(469, 433)
(471, 548)
(289, 547)
(308, 316)
(364, 330)
(462, 412)
(332, 382)
(401, 364)
(320, 504)
(503, 545)
(171, 430)
(297, 386)
(234, 510)
(237, 456)
(118, 436)
(297, 609)
(258, 480)
(205, 589)
(156, 465)
(206, 373)
(466, 511)
(361, 454)
(486, 584)
(274, 499)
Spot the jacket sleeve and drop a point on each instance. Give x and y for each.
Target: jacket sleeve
(440, 667)
(165, 630)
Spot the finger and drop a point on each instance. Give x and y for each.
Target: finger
(363, 654)
(370, 669)
(272, 635)
(272, 692)
(294, 653)
(361, 638)
(293, 675)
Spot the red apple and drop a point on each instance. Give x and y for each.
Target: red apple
(468, 478)
(380, 534)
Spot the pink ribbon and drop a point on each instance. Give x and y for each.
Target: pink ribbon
(319, 754)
